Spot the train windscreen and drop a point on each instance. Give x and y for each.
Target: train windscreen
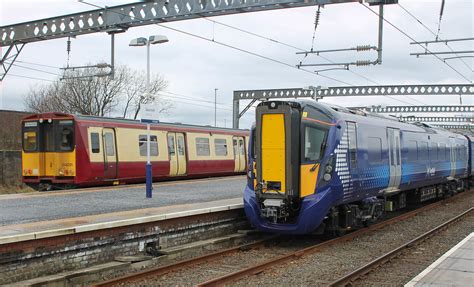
(48, 136)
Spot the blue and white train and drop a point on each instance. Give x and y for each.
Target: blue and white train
(316, 167)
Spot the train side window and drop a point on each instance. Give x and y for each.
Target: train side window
(109, 144)
(423, 151)
(412, 150)
(202, 147)
(180, 145)
(441, 151)
(153, 145)
(242, 147)
(375, 149)
(171, 147)
(95, 143)
(434, 151)
(220, 146)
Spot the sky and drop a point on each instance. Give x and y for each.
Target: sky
(195, 67)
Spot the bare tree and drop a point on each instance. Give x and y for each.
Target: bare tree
(138, 93)
(82, 92)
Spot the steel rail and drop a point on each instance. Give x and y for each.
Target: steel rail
(258, 268)
(353, 276)
(181, 264)
(252, 270)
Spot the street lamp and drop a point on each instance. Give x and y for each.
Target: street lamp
(152, 40)
(138, 42)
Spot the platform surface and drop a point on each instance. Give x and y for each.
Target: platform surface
(51, 228)
(454, 268)
(47, 206)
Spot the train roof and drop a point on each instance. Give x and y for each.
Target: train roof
(126, 121)
(340, 112)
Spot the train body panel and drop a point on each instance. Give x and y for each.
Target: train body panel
(102, 151)
(349, 160)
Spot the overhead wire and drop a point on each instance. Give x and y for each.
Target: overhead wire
(229, 46)
(304, 50)
(32, 69)
(27, 77)
(243, 50)
(411, 38)
(283, 44)
(434, 34)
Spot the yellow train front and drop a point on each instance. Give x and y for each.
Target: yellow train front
(49, 154)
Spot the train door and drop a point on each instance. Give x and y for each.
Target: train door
(352, 137)
(452, 144)
(239, 153)
(394, 158)
(177, 154)
(110, 153)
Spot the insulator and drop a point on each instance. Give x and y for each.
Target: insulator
(316, 18)
(102, 65)
(68, 49)
(363, 63)
(363, 48)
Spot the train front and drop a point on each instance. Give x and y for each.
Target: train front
(48, 156)
(290, 167)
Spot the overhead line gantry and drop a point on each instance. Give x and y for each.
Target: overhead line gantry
(117, 19)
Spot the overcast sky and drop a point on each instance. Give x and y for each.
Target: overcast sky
(195, 67)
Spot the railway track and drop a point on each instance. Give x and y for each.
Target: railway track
(354, 276)
(277, 258)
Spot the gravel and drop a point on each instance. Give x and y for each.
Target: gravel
(331, 263)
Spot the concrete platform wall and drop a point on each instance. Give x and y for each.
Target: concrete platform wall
(30, 259)
(10, 167)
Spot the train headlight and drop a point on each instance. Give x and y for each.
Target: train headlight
(61, 172)
(327, 177)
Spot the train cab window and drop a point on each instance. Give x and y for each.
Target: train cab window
(171, 146)
(30, 142)
(153, 145)
(374, 150)
(220, 147)
(202, 147)
(30, 136)
(314, 143)
(65, 135)
(95, 143)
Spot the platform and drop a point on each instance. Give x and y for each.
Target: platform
(73, 225)
(54, 205)
(454, 268)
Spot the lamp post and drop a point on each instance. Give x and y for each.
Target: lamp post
(215, 107)
(138, 42)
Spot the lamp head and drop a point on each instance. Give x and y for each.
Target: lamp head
(158, 39)
(138, 42)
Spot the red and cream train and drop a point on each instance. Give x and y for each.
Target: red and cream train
(65, 151)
